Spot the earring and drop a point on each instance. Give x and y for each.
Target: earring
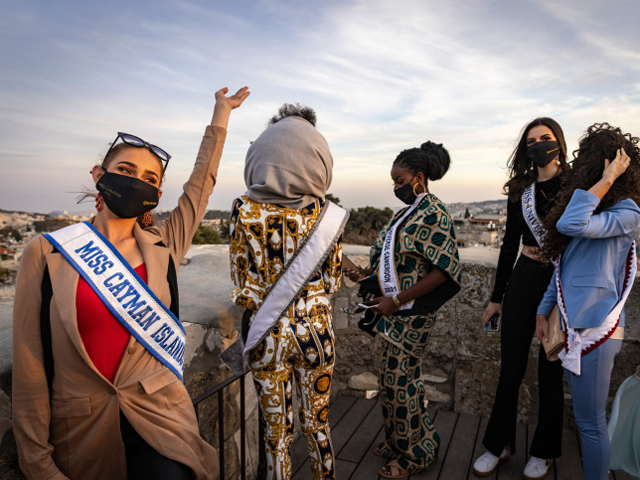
(99, 202)
(532, 167)
(147, 219)
(423, 188)
(558, 162)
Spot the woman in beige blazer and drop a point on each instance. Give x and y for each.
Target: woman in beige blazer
(76, 432)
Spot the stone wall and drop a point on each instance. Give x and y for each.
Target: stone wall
(461, 362)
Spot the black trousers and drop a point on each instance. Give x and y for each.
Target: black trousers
(144, 462)
(529, 280)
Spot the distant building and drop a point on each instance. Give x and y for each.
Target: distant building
(6, 254)
(56, 220)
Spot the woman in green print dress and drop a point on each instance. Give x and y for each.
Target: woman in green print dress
(417, 266)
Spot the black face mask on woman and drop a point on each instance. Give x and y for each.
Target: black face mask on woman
(405, 193)
(543, 153)
(127, 197)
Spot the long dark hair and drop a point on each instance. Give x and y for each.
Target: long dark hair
(600, 142)
(521, 175)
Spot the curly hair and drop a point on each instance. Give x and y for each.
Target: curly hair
(521, 175)
(294, 110)
(601, 141)
(432, 159)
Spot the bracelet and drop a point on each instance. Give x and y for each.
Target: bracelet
(396, 301)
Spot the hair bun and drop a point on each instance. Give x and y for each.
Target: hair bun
(439, 159)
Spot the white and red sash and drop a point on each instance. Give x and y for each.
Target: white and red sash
(577, 344)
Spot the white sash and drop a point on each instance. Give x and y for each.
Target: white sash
(577, 344)
(305, 263)
(530, 213)
(388, 277)
(123, 292)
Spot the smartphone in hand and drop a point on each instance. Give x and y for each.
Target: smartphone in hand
(493, 325)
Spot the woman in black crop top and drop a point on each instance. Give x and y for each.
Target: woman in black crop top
(538, 160)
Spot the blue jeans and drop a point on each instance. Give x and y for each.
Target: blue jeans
(589, 392)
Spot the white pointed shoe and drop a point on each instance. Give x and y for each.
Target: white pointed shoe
(486, 463)
(537, 468)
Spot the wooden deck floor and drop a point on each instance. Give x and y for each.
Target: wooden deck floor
(357, 426)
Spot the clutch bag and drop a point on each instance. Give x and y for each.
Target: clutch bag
(555, 344)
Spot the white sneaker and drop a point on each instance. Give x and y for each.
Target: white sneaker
(537, 468)
(487, 462)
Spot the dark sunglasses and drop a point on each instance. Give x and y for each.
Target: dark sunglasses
(138, 142)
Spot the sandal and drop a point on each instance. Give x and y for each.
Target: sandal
(383, 451)
(393, 470)
(378, 452)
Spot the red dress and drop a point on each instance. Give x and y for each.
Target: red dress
(104, 337)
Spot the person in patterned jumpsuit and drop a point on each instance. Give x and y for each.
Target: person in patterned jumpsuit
(288, 170)
(427, 268)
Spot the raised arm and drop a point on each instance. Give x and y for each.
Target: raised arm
(179, 228)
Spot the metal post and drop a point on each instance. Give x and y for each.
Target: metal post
(221, 432)
(243, 463)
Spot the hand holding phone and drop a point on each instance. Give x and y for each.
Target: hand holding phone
(493, 325)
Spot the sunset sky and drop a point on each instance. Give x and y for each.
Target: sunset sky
(382, 75)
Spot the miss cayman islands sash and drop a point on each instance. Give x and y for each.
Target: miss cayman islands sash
(123, 292)
(577, 344)
(388, 277)
(530, 213)
(306, 261)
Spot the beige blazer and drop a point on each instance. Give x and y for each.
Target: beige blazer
(77, 434)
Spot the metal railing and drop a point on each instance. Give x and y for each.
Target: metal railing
(219, 390)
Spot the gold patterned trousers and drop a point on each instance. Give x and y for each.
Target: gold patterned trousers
(303, 348)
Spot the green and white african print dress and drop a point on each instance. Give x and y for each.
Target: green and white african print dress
(424, 241)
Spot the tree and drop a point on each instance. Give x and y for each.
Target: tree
(224, 231)
(365, 223)
(206, 235)
(17, 236)
(466, 213)
(332, 198)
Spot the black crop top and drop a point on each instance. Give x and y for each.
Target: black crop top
(517, 228)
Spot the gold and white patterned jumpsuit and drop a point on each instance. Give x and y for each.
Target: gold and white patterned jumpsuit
(263, 237)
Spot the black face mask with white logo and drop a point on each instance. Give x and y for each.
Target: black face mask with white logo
(543, 153)
(125, 196)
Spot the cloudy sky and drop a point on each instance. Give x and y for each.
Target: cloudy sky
(382, 75)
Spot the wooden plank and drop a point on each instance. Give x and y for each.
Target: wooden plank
(299, 451)
(363, 438)
(304, 471)
(478, 450)
(445, 423)
(456, 462)
(569, 465)
(371, 463)
(341, 434)
(344, 469)
(515, 465)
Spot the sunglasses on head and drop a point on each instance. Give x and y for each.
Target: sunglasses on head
(138, 142)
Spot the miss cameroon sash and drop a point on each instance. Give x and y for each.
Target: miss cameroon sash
(577, 344)
(306, 261)
(388, 277)
(123, 292)
(530, 213)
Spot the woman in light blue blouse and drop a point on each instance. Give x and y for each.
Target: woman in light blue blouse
(591, 232)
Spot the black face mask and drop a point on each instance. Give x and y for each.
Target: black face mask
(127, 197)
(405, 193)
(542, 153)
